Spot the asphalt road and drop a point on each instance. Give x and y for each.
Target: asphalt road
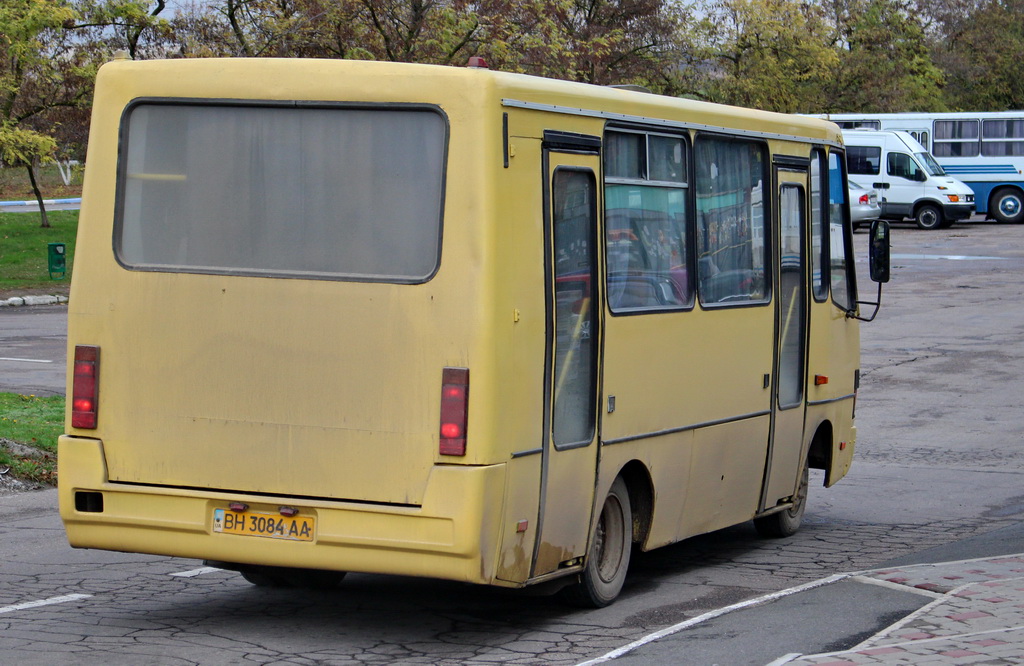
(33, 352)
(938, 474)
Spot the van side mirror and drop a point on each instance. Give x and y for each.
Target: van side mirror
(878, 251)
(920, 176)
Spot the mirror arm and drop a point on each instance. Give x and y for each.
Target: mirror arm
(877, 303)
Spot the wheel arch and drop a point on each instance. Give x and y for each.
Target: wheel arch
(819, 454)
(641, 498)
(998, 191)
(921, 203)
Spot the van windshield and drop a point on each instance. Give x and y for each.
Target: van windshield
(933, 167)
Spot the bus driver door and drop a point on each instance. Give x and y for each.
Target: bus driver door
(572, 350)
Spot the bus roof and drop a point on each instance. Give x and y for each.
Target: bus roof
(334, 80)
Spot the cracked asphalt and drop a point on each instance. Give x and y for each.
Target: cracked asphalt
(938, 463)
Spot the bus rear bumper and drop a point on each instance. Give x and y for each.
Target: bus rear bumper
(452, 535)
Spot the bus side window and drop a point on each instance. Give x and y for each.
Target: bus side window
(841, 270)
(646, 192)
(730, 181)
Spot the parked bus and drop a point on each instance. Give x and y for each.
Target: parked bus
(334, 316)
(984, 150)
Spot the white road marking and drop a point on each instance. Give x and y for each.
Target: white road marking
(24, 360)
(195, 572)
(44, 602)
(668, 631)
(950, 257)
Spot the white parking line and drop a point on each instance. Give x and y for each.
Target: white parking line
(668, 631)
(24, 360)
(195, 572)
(950, 257)
(44, 602)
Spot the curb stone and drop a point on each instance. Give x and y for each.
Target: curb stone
(16, 301)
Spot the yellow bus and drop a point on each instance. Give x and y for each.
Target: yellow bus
(333, 316)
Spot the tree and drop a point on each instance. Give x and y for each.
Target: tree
(775, 55)
(885, 64)
(979, 52)
(598, 41)
(134, 26)
(595, 41)
(31, 77)
(49, 53)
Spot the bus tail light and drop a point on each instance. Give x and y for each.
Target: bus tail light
(454, 410)
(85, 388)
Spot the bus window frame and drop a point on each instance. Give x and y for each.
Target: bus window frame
(819, 157)
(767, 204)
(847, 229)
(121, 183)
(948, 142)
(595, 307)
(689, 233)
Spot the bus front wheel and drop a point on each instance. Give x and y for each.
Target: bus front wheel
(608, 559)
(786, 522)
(1006, 206)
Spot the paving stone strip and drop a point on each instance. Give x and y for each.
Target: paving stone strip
(977, 618)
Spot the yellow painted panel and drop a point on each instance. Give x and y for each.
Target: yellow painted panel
(450, 536)
(726, 475)
(519, 527)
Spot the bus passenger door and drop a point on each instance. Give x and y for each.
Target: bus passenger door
(573, 343)
(785, 450)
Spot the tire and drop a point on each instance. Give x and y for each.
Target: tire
(786, 523)
(608, 558)
(929, 217)
(1007, 205)
(309, 579)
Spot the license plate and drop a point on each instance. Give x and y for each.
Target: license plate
(269, 525)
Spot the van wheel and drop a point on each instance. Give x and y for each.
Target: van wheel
(309, 579)
(786, 523)
(1007, 206)
(608, 559)
(929, 217)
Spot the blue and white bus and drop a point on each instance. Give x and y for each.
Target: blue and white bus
(984, 150)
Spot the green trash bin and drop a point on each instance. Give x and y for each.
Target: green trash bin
(57, 260)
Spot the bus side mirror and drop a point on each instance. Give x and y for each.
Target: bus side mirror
(878, 251)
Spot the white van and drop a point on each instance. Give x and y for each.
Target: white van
(909, 180)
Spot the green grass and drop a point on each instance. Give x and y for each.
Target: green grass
(35, 423)
(23, 248)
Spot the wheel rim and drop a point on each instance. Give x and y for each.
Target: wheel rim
(928, 218)
(607, 539)
(1009, 206)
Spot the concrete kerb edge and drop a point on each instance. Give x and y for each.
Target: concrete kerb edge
(773, 596)
(18, 301)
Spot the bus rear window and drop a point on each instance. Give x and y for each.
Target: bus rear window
(348, 193)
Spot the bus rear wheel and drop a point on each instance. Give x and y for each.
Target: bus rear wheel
(1007, 206)
(786, 522)
(608, 559)
(929, 217)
